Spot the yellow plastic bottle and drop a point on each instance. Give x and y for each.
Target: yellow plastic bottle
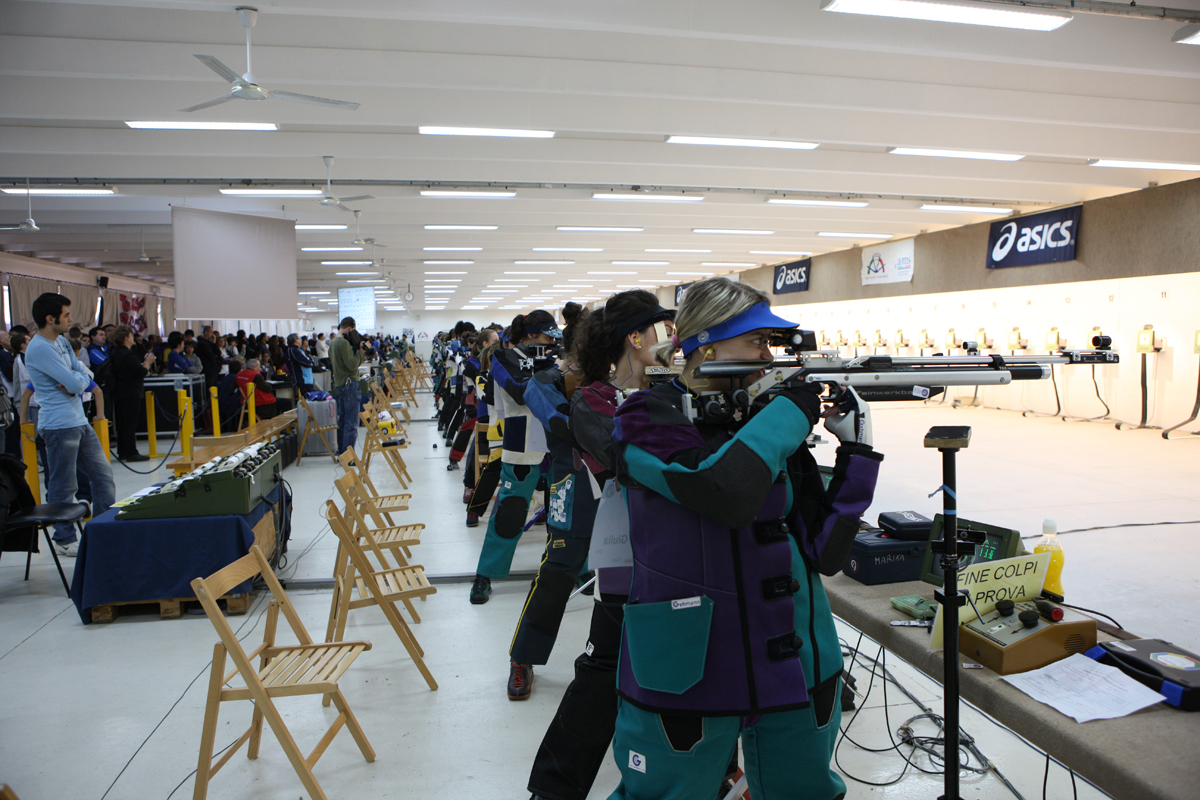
(1049, 544)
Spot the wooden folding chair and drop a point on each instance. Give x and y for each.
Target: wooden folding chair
(376, 438)
(385, 503)
(375, 586)
(313, 425)
(397, 538)
(386, 404)
(283, 671)
(481, 458)
(242, 416)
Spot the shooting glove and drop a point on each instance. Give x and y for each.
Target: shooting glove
(851, 422)
(808, 398)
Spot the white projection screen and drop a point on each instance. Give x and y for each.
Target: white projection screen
(233, 266)
(360, 304)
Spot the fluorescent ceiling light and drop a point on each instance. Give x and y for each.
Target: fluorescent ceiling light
(516, 133)
(579, 228)
(591, 280)
(350, 264)
(516, 280)
(460, 227)
(362, 280)
(325, 300)
(732, 231)
(925, 151)
(792, 201)
(272, 192)
(966, 209)
(725, 264)
(704, 274)
(201, 126)
(530, 273)
(511, 307)
(1109, 162)
(445, 273)
(320, 227)
(314, 292)
(356, 273)
(837, 235)
(1188, 34)
(780, 253)
(568, 249)
(440, 291)
(442, 280)
(611, 273)
(499, 291)
(727, 142)
(452, 249)
(951, 12)
(640, 264)
(541, 263)
(474, 308)
(449, 263)
(509, 286)
(435, 308)
(308, 309)
(650, 250)
(629, 286)
(648, 198)
(651, 280)
(57, 191)
(328, 249)
(449, 193)
(569, 286)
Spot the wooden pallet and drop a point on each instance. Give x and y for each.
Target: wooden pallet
(171, 608)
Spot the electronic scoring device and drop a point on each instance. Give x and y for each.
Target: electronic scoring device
(1018, 637)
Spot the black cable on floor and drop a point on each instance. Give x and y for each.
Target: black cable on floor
(1122, 525)
(178, 700)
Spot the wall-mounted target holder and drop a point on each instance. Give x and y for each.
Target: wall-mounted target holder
(1196, 407)
(1147, 343)
(1015, 342)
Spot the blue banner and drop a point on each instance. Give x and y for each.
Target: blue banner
(1035, 239)
(792, 277)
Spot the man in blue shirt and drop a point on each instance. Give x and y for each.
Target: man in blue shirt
(59, 380)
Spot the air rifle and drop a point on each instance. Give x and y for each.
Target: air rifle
(878, 378)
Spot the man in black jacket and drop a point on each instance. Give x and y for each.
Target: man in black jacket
(125, 375)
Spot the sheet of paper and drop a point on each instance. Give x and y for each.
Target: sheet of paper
(1085, 689)
(135, 495)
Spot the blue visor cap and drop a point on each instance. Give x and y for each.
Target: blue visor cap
(551, 329)
(753, 318)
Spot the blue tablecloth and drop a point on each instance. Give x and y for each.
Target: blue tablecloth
(127, 561)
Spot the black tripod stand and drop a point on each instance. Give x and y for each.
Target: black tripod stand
(949, 440)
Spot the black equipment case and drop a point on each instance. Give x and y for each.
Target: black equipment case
(1167, 669)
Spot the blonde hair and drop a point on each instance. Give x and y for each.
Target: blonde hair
(707, 303)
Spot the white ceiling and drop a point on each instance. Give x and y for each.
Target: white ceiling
(613, 79)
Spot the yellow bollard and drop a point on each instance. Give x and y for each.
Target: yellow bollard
(101, 428)
(251, 406)
(216, 413)
(29, 455)
(185, 439)
(151, 425)
(189, 425)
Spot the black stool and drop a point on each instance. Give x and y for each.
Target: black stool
(42, 517)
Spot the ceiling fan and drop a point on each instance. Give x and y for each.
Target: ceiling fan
(145, 259)
(29, 225)
(338, 202)
(358, 237)
(244, 87)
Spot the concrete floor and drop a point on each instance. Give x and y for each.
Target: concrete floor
(114, 711)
